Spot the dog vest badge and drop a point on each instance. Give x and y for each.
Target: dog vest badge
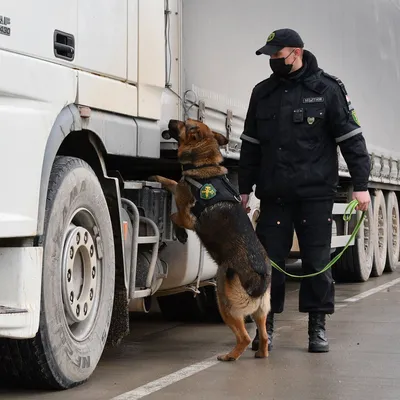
(208, 191)
(310, 120)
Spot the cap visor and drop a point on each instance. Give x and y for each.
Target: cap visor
(269, 50)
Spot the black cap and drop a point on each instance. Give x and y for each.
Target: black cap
(279, 39)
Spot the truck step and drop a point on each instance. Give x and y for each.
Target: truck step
(11, 310)
(137, 185)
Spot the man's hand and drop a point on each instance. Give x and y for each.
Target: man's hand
(245, 200)
(363, 199)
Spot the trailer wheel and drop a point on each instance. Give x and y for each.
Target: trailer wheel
(380, 234)
(77, 285)
(356, 263)
(393, 232)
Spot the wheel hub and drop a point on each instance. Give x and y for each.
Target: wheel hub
(79, 274)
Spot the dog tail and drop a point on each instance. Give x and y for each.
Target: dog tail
(255, 284)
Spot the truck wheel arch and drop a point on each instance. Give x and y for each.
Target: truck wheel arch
(68, 121)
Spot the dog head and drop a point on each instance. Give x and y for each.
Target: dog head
(198, 144)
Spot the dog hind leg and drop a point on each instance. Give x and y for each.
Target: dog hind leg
(243, 340)
(260, 318)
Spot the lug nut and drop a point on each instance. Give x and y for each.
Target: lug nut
(85, 237)
(91, 250)
(71, 297)
(71, 253)
(69, 275)
(91, 294)
(93, 272)
(78, 310)
(85, 308)
(78, 238)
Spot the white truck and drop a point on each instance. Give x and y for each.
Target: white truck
(87, 89)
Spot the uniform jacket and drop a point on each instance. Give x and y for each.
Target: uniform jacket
(291, 133)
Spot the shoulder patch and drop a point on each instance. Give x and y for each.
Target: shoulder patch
(355, 118)
(208, 191)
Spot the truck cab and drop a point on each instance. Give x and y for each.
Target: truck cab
(87, 89)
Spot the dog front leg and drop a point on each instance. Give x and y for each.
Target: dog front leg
(183, 220)
(180, 233)
(166, 183)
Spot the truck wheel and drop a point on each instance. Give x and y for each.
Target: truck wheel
(77, 284)
(356, 263)
(393, 222)
(380, 234)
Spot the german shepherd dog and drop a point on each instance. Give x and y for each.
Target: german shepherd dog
(222, 225)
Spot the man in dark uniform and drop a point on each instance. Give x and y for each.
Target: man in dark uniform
(295, 121)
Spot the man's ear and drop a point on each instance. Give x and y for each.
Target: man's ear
(221, 139)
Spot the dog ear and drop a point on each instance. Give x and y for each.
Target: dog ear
(221, 139)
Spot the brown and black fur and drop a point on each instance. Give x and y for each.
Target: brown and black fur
(244, 271)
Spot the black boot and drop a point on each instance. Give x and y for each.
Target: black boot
(270, 331)
(318, 342)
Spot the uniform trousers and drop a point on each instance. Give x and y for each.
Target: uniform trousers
(312, 221)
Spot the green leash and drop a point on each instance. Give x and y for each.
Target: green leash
(346, 217)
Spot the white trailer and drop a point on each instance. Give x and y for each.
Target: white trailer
(86, 91)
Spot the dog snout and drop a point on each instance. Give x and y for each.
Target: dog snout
(173, 124)
(174, 128)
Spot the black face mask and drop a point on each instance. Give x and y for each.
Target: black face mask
(279, 67)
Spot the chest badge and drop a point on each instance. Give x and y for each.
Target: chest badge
(310, 120)
(208, 191)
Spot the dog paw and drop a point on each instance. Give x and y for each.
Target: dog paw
(226, 357)
(261, 354)
(181, 234)
(153, 178)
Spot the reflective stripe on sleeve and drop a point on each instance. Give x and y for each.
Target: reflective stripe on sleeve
(348, 135)
(249, 139)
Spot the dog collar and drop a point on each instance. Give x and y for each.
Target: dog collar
(187, 167)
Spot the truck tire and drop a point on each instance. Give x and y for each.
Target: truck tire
(355, 265)
(393, 223)
(380, 234)
(77, 285)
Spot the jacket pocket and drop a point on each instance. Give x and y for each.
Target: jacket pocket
(267, 123)
(314, 117)
(312, 128)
